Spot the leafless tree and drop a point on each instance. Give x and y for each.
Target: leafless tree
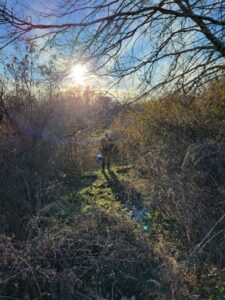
(160, 44)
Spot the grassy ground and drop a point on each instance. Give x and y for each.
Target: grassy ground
(111, 190)
(115, 192)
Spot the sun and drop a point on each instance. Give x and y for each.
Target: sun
(79, 74)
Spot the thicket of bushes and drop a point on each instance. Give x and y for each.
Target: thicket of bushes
(177, 146)
(47, 140)
(98, 255)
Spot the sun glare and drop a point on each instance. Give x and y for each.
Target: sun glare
(79, 74)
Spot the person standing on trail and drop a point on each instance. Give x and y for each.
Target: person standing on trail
(106, 148)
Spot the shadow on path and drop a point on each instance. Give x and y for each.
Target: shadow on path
(124, 191)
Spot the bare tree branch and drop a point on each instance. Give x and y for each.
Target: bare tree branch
(137, 38)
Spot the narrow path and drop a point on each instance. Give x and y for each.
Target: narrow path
(112, 190)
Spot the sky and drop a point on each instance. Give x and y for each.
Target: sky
(64, 58)
(65, 54)
(60, 54)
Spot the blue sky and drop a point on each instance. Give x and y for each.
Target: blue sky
(133, 51)
(34, 10)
